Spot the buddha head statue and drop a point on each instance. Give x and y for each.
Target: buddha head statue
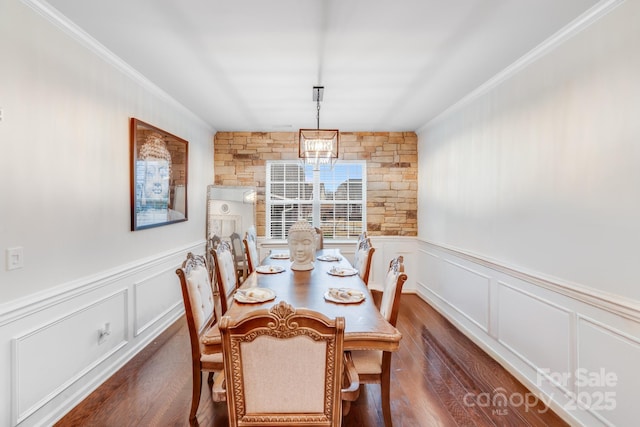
(302, 245)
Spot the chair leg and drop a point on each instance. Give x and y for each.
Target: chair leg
(385, 389)
(197, 388)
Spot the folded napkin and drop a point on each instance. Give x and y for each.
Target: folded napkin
(345, 294)
(342, 271)
(269, 268)
(251, 294)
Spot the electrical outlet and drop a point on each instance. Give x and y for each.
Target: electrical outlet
(15, 258)
(104, 333)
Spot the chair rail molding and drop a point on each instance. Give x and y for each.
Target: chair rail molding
(63, 331)
(14, 310)
(616, 304)
(545, 331)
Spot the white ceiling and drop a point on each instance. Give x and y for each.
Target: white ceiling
(387, 65)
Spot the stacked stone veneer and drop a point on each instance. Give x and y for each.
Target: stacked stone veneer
(392, 171)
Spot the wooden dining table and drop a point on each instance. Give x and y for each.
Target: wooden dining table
(365, 328)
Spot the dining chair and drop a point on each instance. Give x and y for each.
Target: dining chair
(227, 281)
(251, 248)
(252, 232)
(319, 238)
(286, 366)
(212, 243)
(374, 367)
(363, 258)
(239, 259)
(361, 237)
(197, 295)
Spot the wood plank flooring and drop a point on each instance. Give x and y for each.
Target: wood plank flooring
(439, 378)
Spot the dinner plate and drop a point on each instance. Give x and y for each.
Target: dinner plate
(281, 255)
(344, 295)
(329, 258)
(269, 269)
(254, 295)
(342, 271)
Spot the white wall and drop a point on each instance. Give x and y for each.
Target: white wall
(64, 162)
(528, 211)
(548, 159)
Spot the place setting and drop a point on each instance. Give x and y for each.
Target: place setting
(344, 295)
(269, 269)
(279, 255)
(254, 295)
(342, 271)
(329, 258)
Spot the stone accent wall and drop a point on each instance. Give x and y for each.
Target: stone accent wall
(392, 171)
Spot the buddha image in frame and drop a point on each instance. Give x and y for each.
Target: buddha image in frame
(160, 178)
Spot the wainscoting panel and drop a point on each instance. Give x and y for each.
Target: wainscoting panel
(430, 271)
(537, 331)
(467, 291)
(46, 360)
(462, 288)
(154, 297)
(560, 340)
(53, 354)
(608, 376)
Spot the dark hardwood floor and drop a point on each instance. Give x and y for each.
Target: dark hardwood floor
(439, 378)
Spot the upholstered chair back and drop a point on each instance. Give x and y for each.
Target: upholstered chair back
(225, 273)
(251, 248)
(239, 259)
(200, 297)
(283, 366)
(393, 284)
(212, 244)
(363, 258)
(319, 238)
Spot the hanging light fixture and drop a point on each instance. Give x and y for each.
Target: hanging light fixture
(318, 146)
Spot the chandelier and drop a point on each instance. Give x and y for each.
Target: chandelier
(318, 146)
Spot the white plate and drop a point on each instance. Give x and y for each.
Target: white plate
(269, 269)
(254, 295)
(329, 258)
(342, 271)
(344, 295)
(281, 255)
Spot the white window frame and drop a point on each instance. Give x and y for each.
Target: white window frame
(315, 202)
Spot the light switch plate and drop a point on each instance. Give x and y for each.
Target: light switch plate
(15, 258)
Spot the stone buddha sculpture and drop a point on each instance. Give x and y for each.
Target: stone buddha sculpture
(302, 245)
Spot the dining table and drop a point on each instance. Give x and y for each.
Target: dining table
(319, 289)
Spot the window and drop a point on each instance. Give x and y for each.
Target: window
(333, 199)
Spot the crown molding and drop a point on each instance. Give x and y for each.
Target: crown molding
(579, 24)
(70, 28)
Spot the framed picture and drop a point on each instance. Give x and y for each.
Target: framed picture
(159, 163)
